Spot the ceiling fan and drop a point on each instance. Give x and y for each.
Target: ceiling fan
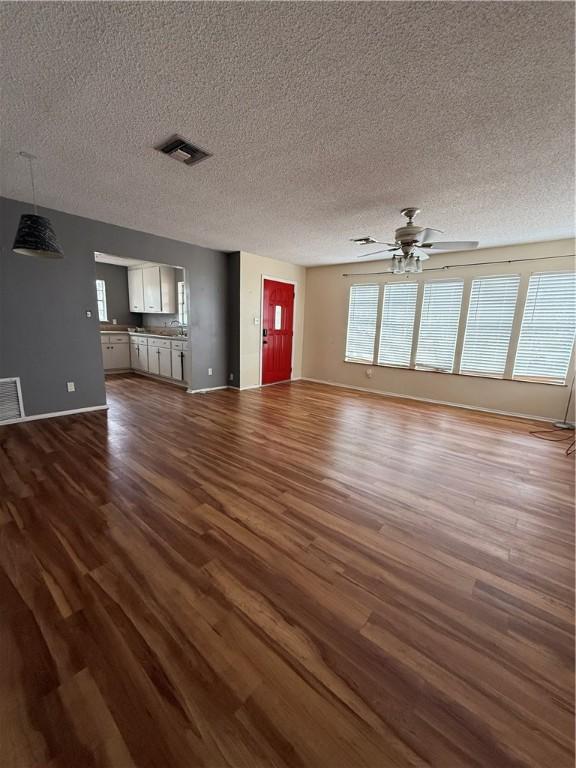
(412, 244)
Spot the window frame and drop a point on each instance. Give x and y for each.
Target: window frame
(570, 366)
(379, 288)
(455, 360)
(382, 301)
(464, 309)
(517, 298)
(101, 298)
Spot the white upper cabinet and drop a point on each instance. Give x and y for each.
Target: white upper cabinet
(136, 289)
(168, 290)
(152, 289)
(152, 293)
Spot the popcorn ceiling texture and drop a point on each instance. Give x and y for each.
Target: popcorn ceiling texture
(324, 119)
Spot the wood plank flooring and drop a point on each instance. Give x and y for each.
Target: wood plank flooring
(297, 577)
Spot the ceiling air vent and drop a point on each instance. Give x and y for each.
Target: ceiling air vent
(183, 151)
(10, 400)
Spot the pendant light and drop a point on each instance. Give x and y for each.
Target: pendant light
(35, 236)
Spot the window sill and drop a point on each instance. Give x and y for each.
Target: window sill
(449, 373)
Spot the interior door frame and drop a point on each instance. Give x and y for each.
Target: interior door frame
(289, 282)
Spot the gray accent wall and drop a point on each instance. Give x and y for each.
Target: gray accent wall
(233, 324)
(117, 301)
(46, 338)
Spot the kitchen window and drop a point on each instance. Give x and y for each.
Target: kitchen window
(101, 301)
(182, 308)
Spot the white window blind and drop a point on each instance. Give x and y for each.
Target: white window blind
(397, 324)
(362, 313)
(182, 308)
(101, 300)
(489, 324)
(439, 325)
(548, 328)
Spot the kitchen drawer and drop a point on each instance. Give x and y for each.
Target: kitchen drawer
(119, 338)
(139, 338)
(165, 343)
(179, 345)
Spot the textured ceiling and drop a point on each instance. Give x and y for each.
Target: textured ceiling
(324, 119)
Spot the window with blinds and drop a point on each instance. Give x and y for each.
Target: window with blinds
(489, 325)
(362, 315)
(397, 324)
(548, 328)
(439, 325)
(101, 300)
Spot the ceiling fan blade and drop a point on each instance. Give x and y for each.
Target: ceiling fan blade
(374, 253)
(456, 245)
(426, 235)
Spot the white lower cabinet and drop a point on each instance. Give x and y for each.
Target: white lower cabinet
(115, 352)
(160, 357)
(179, 355)
(139, 354)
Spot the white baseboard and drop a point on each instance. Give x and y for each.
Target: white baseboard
(161, 379)
(207, 389)
(55, 414)
(273, 384)
(428, 400)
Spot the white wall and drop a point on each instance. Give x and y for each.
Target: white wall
(252, 269)
(326, 322)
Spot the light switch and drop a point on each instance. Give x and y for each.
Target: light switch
(88, 313)
(71, 386)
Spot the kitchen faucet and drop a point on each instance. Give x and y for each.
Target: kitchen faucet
(180, 326)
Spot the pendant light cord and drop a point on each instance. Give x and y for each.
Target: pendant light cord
(31, 158)
(33, 186)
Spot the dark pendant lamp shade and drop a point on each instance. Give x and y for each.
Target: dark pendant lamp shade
(35, 237)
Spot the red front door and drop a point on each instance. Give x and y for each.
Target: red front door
(277, 331)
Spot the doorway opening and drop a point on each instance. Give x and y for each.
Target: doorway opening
(143, 313)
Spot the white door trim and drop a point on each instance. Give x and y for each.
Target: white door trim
(288, 282)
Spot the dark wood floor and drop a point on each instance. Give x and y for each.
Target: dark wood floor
(300, 576)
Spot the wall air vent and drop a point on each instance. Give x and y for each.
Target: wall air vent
(11, 408)
(183, 151)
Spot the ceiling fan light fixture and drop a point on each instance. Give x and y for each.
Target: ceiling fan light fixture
(410, 265)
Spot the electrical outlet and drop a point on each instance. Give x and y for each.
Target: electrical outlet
(209, 371)
(71, 386)
(369, 372)
(114, 321)
(231, 377)
(88, 313)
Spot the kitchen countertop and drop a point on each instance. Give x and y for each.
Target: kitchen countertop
(172, 336)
